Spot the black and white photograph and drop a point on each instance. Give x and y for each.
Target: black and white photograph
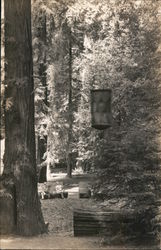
(80, 125)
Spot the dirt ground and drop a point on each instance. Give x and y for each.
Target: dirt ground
(50, 242)
(59, 214)
(60, 242)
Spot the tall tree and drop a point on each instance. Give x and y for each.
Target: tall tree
(41, 95)
(19, 180)
(70, 110)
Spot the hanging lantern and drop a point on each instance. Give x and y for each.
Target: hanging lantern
(101, 108)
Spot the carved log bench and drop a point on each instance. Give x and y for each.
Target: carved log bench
(94, 222)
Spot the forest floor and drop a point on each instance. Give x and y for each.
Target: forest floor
(59, 214)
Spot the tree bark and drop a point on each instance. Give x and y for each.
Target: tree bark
(19, 179)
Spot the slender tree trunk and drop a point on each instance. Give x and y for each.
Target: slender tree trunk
(70, 119)
(42, 142)
(42, 147)
(19, 180)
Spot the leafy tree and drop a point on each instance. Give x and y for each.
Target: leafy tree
(124, 56)
(59, 83)
(41, 89)
(115, 45)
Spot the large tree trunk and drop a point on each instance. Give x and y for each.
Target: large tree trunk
(19, 180)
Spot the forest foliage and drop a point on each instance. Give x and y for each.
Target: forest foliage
(116, 45)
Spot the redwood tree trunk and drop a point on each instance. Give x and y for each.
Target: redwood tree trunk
(19, 160)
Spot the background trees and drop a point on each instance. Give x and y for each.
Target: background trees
(114, 45)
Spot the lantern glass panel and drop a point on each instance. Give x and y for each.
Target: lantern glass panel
(101, 108)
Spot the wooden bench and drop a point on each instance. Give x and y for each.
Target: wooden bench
(93, 222)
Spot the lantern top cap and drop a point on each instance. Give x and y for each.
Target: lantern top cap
(95, 90)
